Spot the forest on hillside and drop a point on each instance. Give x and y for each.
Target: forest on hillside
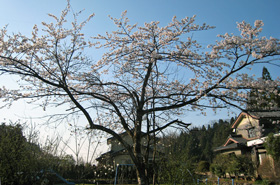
(197, 143)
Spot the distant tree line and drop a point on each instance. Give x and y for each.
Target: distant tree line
(197, 144)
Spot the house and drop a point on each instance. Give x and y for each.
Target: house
(118, 155)
(250, 130)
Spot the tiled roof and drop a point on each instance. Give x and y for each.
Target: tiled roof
(266, 114)
(228, 147)
(238, 142)
(239, 139)
(256, 115)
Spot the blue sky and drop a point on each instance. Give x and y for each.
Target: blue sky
(21, 15)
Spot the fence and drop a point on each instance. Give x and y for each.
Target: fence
(220, 181)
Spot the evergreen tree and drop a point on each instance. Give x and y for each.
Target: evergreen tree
(221, 131)
(266, 74)
(17, 162)
(259, 100)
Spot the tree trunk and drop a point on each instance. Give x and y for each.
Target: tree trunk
(142, 178)
(141, 167)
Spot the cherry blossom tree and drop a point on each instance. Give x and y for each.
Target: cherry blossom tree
(148, 75)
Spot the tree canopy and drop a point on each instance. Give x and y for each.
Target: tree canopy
(147, 76)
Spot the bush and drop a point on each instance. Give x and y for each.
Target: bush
(203, 167)
(219, 165)
(233, 165)
(174, 171)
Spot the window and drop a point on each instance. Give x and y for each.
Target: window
(252, 132)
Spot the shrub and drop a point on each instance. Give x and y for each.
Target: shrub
(203, 166)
